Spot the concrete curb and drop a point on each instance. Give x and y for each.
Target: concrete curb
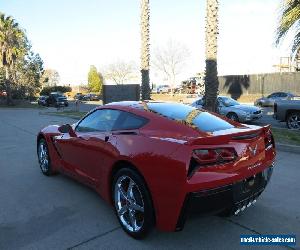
(288, 148)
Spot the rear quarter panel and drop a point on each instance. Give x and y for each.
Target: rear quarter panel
(164, 175)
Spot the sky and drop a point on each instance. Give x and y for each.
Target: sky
(72, 35)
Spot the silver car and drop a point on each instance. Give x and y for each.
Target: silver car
(271, 99)
(233, 109)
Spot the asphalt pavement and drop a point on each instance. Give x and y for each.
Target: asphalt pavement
(38, 212)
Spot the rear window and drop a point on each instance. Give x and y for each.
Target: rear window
(193, 116)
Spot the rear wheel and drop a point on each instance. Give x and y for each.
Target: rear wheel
(132, 203)
(233, 116)
(44, 157)
(293, 120)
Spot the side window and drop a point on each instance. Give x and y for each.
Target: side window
(128, 121)
(99, 120)
(220, 101)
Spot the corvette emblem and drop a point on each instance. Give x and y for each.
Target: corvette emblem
(253, 150)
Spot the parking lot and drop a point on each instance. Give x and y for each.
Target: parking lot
(38, 212)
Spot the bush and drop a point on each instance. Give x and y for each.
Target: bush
(62, 89)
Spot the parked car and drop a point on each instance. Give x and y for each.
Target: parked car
(288, 111)
(78, 96)
(154, 161)
(42, 100)
(233, 109)
(163, 89)
(91, 97)
(271, 99)
(57, 100)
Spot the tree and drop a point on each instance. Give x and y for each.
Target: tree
(13, 46)
(211, 48)
(289, 21)
(120, 72)
(95, 80)
(145, 49)
(61, 89)
(28, 73)
(50, 78)
(170, 60)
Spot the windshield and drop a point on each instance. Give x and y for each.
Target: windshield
(228, 102)
(191, 116)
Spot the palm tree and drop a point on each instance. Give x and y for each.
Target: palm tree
(145, 49)
(289, 21)
(12, 46)
(211, 39)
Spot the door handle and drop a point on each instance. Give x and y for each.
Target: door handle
(106, 138)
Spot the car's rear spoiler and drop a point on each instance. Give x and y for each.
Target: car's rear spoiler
(228, 136)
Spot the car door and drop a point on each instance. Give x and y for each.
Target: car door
(272, 98)
(85, 153)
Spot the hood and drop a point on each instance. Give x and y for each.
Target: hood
(246, 108)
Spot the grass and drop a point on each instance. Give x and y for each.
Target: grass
(286, 136)
(71, 114)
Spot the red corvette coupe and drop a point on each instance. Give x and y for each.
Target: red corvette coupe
(155, 162)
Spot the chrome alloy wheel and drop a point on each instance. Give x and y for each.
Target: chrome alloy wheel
(129, 203)
(294, 121)
(43, 156)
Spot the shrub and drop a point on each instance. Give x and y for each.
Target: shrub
(62, 89)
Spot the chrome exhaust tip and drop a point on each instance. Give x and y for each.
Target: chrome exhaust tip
(243, 208)
(237, 212)
(254, 201)
(249, 204)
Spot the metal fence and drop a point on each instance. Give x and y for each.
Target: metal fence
(124, 92)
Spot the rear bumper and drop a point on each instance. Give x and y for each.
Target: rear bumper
(233, 198)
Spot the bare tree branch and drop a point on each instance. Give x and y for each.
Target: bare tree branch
(170, 60)
(120, 72)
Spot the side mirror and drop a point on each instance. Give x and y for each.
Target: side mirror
(67, 128)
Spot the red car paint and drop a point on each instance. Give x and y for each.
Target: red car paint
(161, 152)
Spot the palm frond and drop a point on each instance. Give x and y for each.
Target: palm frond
(290, 15)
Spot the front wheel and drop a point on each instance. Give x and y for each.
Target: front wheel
(44, 157)
(293, 120)
(233, 116)
(132, 203)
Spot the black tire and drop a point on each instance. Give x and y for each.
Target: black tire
(46, 169)
(233, 116)
(141, 197)
(293, 120)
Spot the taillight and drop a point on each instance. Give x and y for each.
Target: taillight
(269, 140)
(210, 157)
